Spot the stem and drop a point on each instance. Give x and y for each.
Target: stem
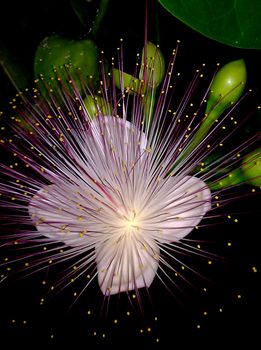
(149, 104)
(99, 17)
(16, 74)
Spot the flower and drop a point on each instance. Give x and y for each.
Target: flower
(115, 174)
(116, 201)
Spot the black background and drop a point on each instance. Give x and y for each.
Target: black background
(230, 319)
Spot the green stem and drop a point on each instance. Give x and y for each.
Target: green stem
(99, 17)
(203, 130)
(149, 104)
(15, 73)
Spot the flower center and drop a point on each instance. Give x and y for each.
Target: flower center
(131, 223)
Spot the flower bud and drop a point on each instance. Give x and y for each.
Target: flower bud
(226, 88)
(153, 60)
(96, 105)
(251, 168)
(125, 81)
(151, 72)
(56, 51)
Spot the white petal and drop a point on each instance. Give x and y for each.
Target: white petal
(188, 201)
(57, 216)
(126, 265)
(119, 133)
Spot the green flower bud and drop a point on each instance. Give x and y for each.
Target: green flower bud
(150, 77)
(248, 173)
(96, 105)
(153, 60)
(226, 88)
(251, 168)
(126, 81)
(56, 51)
(232, 178)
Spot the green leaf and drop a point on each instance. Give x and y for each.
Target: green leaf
(231, 22)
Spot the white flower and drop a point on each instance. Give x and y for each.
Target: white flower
(114, 201)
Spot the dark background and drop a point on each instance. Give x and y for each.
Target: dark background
(230, 319)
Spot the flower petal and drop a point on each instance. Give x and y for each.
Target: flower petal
(188, 201)
(57, 216)
(118, 133)
(126, 264)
